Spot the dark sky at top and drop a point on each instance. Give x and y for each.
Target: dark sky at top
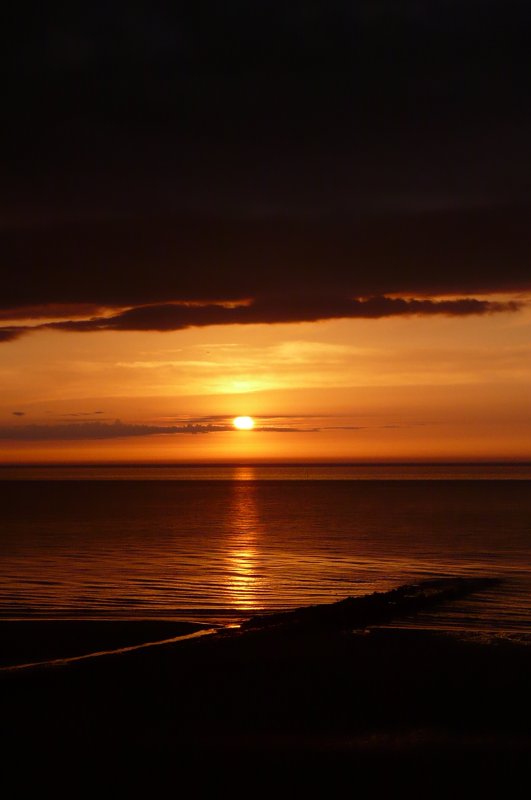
(285, 151)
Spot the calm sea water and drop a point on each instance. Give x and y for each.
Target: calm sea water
(220, 543)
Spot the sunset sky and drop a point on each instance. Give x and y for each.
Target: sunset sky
(314, 214)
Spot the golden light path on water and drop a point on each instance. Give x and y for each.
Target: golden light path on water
(243, 545)
(209, 550)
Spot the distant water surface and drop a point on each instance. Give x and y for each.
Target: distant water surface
(220, 543)
(264, 472)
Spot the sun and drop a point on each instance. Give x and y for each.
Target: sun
(243, 423)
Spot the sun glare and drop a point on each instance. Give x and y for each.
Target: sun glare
(243, 423)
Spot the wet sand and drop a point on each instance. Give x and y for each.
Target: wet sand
(26, 641)
(286, 704)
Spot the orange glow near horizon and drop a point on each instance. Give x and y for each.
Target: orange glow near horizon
(438, 388)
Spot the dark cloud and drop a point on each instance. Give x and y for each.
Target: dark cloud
(51, 311)
(283, 309)
(171, 317)
(101, 430)
(19, 413)
(146, 260)
(10, 334)
(82, 414)
(281, 429)
(290, 153)
(345, 427)
(263, 421)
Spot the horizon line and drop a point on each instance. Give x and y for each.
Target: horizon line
(280, 463)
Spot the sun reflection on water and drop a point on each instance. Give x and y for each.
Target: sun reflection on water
(243, 552)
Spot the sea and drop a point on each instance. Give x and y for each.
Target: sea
(219, 543)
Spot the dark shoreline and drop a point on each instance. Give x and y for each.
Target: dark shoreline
(317, 703)
(33, 640)
(40, 640)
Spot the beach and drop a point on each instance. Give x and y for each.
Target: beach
(265, 431)
(311, 702)
(342, 634)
